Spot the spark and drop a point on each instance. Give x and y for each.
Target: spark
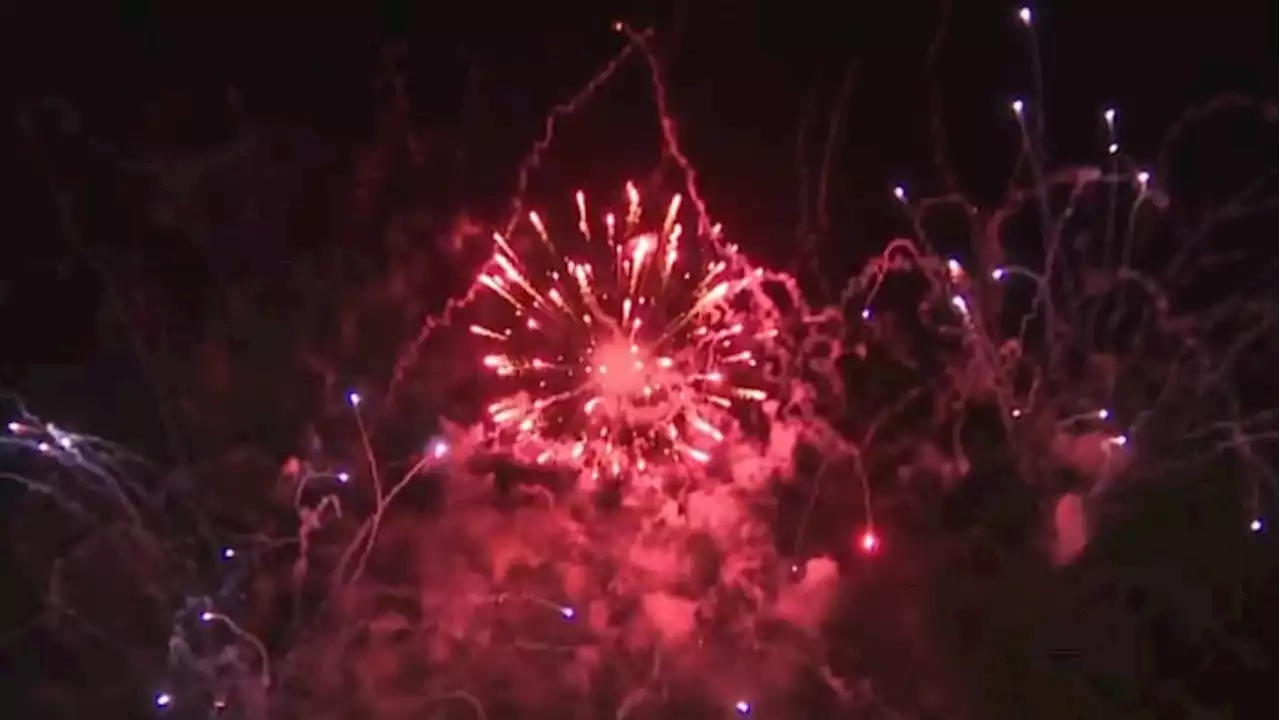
(624, 345)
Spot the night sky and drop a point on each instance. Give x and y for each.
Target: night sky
(143, 80)
(375, 132)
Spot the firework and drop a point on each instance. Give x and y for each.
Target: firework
(623, 346)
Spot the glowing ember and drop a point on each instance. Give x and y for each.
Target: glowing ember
(618, 347)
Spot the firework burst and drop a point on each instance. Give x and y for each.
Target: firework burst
(624, 346)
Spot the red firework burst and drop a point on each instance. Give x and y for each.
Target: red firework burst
(622, 346)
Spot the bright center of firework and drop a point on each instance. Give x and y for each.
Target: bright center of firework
(619, 369)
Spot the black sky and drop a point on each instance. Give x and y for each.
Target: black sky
(145, 80)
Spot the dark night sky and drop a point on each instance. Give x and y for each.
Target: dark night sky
(744, 78)
(146, 78)
(742, 75)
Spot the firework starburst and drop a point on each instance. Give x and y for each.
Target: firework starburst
(622, 346)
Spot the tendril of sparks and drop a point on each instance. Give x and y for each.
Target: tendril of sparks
(623, 346)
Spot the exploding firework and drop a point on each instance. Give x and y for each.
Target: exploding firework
(623, 346)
